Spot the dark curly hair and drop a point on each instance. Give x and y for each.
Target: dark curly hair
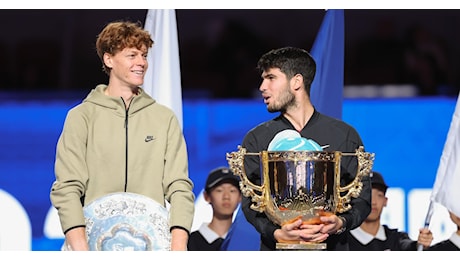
(291, 61)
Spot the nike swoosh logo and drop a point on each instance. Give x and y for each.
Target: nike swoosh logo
(149, 138)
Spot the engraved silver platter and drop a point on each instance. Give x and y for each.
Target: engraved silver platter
(127, 222)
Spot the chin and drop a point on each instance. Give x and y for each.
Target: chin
(137, 84)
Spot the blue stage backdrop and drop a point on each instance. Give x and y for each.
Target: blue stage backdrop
(407, 136)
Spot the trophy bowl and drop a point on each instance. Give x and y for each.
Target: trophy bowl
(301, 185)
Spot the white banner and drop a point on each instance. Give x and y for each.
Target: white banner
(163, 80)
(446, 188)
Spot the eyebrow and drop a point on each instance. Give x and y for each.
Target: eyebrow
(267, 75)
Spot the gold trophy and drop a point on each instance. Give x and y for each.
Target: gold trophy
(301, 185)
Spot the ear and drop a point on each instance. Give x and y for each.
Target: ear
(386, 201)
(107, 60)
(206, 197)
(297, 82)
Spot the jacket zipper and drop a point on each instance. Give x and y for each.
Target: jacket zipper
(126, 144)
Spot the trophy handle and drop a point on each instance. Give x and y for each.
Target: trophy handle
(353, 189)
(236, 164)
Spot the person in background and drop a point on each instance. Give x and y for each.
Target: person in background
(373, 236)
(119, 139)
(451, 244)
(222, 192)
(287, 74)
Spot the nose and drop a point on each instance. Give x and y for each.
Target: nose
(226, 194)
(141, 60)
(262, 86)
(373, 201)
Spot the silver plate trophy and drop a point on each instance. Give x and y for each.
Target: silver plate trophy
(301, 185)
(127, 222)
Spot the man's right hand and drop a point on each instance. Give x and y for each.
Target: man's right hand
(425, 237)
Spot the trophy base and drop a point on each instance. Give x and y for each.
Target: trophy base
(301, 246)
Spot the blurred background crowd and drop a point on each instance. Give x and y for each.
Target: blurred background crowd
(392, 52)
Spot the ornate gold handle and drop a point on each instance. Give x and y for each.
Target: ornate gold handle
(353, 189)
(236, 164)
